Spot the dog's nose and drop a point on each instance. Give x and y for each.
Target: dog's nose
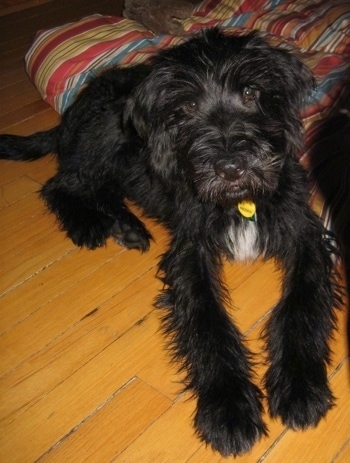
(230, 171)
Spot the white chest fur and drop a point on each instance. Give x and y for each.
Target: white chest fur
(242, 240)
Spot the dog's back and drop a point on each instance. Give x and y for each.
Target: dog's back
(112, 87)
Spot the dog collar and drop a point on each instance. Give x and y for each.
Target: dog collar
(247, 209)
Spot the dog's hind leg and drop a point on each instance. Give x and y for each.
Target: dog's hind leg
(89, 217)
(299, 331)
(210, 349)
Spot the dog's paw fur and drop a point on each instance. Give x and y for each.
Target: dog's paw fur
(90, 229)
(230, 424)
(130, 232)
(300, 401)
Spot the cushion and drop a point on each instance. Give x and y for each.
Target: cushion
(61, 60)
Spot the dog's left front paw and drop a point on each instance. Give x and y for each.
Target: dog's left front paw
(131, 233)
(230, 425)
(300, 402)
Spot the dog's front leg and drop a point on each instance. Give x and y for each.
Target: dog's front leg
(299, 331)
(210, 349)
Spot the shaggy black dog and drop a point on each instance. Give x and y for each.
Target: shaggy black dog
(205, 139)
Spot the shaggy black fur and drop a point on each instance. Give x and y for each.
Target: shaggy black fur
(207, 124)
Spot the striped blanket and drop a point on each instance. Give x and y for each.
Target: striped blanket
(63, 59)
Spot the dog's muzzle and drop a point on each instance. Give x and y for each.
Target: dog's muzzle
(231, 171)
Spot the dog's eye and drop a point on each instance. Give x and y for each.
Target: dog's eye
(191, 107)
(249, 94)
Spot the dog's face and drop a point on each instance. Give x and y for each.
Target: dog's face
(223, 112)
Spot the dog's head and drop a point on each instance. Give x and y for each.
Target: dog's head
(223, 112)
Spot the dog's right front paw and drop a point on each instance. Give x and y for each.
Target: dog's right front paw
(88, 228)
(230, 426)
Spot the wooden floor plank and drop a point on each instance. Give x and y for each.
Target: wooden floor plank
(39, 171)
(7, 7)
(43, 119)
(51, 319)
(246, 308)
(22, 211)
(25, 98)
(48, 284)
(83, 392)
(343, 455)
(178, 440)
(8, 79)
(120, 421)
(15, 91)
(17, 189)
(31, 257)
(80, 344)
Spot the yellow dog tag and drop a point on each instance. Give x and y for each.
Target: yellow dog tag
(248, 209)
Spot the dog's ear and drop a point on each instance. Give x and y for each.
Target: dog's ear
(285, 80)
(297, 75)
(296, 85)
(145, 116)
(288, 69)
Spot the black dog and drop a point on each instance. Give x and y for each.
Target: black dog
(205, 139)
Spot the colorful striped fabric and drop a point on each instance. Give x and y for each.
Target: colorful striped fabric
(63, 59)
(310, 24)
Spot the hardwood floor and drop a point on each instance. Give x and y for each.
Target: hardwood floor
(84, 371)
(11, 6)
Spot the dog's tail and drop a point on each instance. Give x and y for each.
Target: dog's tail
(18, 148)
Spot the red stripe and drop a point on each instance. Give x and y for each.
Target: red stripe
(250, 6)
(208, 8)
(64, 35)
(79, 62)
